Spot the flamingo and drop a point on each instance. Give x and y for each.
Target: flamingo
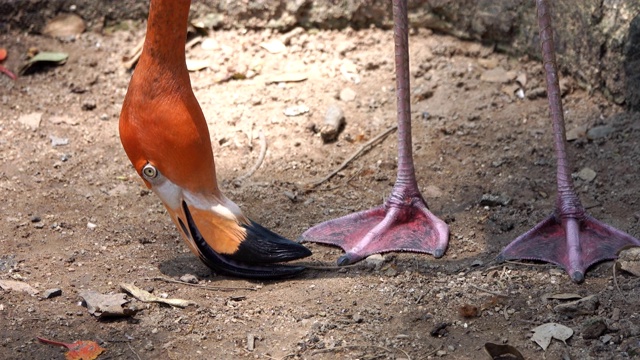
(165, 136)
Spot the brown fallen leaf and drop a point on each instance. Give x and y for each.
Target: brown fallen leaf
(146, 296)
(502, 352)
(21, 286)
(106, 305)
(79, 350)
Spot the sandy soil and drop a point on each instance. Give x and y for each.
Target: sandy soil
(76, 217)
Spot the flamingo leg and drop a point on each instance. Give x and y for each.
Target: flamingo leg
(403, 223)
(570, 237)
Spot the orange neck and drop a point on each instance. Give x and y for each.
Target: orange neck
(161, 121)
(166, 33)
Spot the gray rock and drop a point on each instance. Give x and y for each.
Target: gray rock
(333, 123)
(51, 293)
(598, 132)
(584, 306)
(374, 261)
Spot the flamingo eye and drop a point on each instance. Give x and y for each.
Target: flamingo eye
(149, 171)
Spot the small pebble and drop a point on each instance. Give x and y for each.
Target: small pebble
(296, 110)
(333, 123)
(494, 200)
(251, 342)
(347, 95)
(58, 141)
(374, 261)
(587, 174)
(189, 278)
(290, 195)
(91, 226)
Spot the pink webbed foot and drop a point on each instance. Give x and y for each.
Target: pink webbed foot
(573, 244)
(407, 227)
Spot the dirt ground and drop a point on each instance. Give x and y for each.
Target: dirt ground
(76, 216)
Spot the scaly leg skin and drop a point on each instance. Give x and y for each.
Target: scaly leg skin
(570, 237)
(403, 223)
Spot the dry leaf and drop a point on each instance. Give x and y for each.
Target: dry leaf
(55, 58)
(102, 305)
(132, 57)
(502, 352)
(146, 296)
(543, 334)
(79, 350)
(629, 260)
(13, 285)
(564, 296)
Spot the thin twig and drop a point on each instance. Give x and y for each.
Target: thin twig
(340, 348)
(263, 152)
(526, 263)
(133, 351)
(615, 282)
(206, 287)
(434, 351)
(487, 291)
(330, 267)
(282, 358)
(364, 148)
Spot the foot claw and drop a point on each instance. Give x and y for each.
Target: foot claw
(347, 259)
(577, 277)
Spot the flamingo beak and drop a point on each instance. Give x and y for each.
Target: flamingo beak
(225, 240)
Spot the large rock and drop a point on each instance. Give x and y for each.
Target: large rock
(596, 42)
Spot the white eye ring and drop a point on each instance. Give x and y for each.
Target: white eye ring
(149, 171)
